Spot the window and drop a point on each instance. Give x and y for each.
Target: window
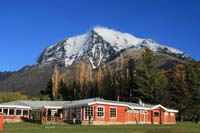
(166, 113)
(25, 112)
(136, 111)
(49, 112)
(5, 111)
(100, 111)
(11, 112)
(132, 111)
(156, 114)
(144, 112)
(18, 112)
(171, 114)
(113, 112)
(0, 110)
(88, 112)
(54, 112)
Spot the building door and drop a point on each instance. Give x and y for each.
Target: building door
(156, 117)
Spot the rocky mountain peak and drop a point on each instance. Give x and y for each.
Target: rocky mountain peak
(98, 46)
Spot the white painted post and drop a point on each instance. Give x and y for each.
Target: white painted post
(8, 113)
(22, 112)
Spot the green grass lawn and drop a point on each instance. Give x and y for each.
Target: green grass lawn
(37, 128)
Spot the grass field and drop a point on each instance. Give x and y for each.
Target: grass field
(37, 128)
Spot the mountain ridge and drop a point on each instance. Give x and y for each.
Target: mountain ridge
(100, 45)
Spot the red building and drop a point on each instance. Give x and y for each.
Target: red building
(88, 111)
(113, 112)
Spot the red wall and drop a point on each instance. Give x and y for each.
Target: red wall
(165, 117)
(121, 113)
(125, 116)
(14, 116)
(139, 116)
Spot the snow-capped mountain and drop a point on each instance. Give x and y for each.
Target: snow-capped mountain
(100, 45)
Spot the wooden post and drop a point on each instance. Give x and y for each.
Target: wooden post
(46, 115)
(152, 117)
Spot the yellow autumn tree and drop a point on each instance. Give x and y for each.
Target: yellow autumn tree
(84, 77)
(99, 80)
(55, 83)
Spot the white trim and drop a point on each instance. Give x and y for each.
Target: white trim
(8, 113)
(13, 112)
(166, 109)
(53, 107)
(172, 110)
(22, 112)
(100, 106)
(18, 114)
(139, 108)
(135, 107)
(15, 106)
(106, 103)
(92, 113)
(5, 109)
(144, 112)
(118, 104)
(116, 112)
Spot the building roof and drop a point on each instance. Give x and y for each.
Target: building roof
(78, 103)
(34, 104)
(91, 101)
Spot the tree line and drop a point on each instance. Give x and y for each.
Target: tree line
(178, 88)
(12, 96)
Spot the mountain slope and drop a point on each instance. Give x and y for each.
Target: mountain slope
(100, 45)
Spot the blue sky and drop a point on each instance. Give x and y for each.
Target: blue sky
(29, 26)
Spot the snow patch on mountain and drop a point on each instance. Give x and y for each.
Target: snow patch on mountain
(117, 39)
(99, 45)
(154, 46)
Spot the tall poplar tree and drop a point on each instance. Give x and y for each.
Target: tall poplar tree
(55, 83)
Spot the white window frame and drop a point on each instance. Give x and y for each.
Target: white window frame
(115, 112)
(136, 111)
(157, 113)
(7, 111)
(20, 112)
(85, 112)
(144, 112)
(133, 111)
(13, 112)
(103, 111)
